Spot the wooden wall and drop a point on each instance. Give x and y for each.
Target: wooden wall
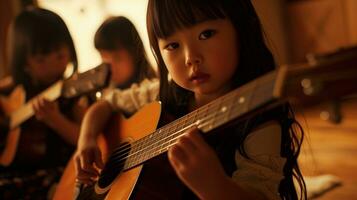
(320, 26)
(273, 18)
(8, 9)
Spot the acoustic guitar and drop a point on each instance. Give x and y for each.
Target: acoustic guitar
(19, 111)
(129, 144)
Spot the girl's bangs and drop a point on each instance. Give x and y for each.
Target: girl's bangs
(45, 46)
(169, 16)
(42, 33)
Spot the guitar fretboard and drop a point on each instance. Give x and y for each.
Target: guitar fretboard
(208, 117)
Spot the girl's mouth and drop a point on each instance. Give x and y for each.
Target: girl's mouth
(199, 77)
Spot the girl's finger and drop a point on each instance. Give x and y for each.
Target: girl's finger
(85, 180)
(187, 144)
(35, 105)
(177, 154)
(197, 138)
(98, 159)
(77, 165)
(87, 165)
(41, 102)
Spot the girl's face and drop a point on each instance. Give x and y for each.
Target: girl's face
(121, 64)
(202, 58)
(48, 68)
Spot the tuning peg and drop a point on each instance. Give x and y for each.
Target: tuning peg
(310, 87)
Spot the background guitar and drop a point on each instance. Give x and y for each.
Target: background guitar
(18, 111)
(132, 142)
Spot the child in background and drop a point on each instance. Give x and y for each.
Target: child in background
(41, 49)
(209, 48)
(133, 84)
(119, 45)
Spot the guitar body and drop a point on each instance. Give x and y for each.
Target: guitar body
(30, 147)
(120, 130)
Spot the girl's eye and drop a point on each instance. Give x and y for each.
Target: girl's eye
(171, 46)
(206, 34)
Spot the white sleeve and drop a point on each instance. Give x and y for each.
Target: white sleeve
(132, 99)
(264, 170)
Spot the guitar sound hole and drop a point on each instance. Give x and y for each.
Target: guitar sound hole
(114, 165)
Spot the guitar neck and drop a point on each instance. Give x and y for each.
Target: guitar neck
(26, 111)
(213, 115)
(76, 85)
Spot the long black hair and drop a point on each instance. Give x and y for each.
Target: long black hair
(36, 31)
(117, 33)
(164, 17)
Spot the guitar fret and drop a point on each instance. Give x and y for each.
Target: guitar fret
(140, 156)
(137, 152)
(214, 121)
(236, 98)
(168, 134)
(200, 114)
(218, 115)
(131, 159)
(240, 106)
(147, 152)
(207, 116)
(261, 95)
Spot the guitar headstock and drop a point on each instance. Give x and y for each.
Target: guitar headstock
(323, 78)
(86, 82)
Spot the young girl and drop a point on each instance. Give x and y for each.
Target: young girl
(208, 48)
(41, 49)
(119, 45)
(133, 84)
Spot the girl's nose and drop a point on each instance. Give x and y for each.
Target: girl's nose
(193, 58)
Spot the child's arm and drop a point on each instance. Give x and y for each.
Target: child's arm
(49, 113)
(88, 153)
(197, 165)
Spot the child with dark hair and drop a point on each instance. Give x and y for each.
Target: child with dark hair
(205, 49)
(119, 45)
(209, 48)
(133, 84)
(41, 50)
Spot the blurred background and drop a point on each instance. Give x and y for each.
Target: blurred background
(294, 29)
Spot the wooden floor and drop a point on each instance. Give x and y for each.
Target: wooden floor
(331, 149)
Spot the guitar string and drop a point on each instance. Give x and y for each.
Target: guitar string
(230, 97)
(201, 110)
(118, 163)
(157, 149)
(154, 149)
(169, 126)
(124, 156)
(177, 134)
